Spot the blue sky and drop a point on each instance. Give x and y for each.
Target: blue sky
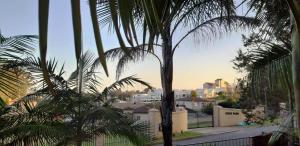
(195, 61)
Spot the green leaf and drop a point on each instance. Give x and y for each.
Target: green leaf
(43, 32)
(114, 15)
(97, 35)
(76, 17)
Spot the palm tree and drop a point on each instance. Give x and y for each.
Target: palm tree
(294, 17)
(13, 49)
(43, 8)
(77, 113)
(267, 62)
(160, 21)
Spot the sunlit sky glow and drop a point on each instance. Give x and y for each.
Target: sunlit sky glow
(195, 61)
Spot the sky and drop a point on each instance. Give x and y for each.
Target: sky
(195, 61)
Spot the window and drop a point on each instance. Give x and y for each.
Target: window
(138, 118)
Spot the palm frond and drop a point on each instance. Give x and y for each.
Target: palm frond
(219, 25)
(274, 15)
(127, 81)
(134, 54)
(90, 79)
(123, 127)
(283, 128)
(12, 50)
(100, 49)
(17, 47)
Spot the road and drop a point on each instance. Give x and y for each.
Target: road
(234, 134)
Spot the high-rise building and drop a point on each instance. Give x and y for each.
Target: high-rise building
(220, 83)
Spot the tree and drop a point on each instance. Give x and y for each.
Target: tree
(43, 10)
(76, 114)
(294, 9)
(193, 95)
(13, 49)
(160, 22)
(267, 60)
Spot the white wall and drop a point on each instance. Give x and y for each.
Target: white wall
(227, 116)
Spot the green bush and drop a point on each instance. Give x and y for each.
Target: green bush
(229, 103)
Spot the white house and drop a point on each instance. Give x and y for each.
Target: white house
(141, 113)
(182, 93)
(155, 95)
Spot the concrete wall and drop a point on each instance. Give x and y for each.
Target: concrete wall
(227, 116)
(179, 118)
(180, 122)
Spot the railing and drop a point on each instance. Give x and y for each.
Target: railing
(248, 141)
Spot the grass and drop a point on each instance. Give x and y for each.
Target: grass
(200, 124)
(180, 136)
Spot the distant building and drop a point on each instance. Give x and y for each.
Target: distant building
(208, 85)
(194, 104)
(209, 93)
(182, 94)
(211, 90)
(199, 93)
(220, 83)
(141, 113)
(142, 98)
(155, 95)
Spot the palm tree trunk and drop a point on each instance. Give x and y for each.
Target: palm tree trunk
(167, 102)
(295, 13)
(296, 73)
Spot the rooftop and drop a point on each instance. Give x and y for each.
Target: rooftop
(128, 105)
(142, 109)
(195, 99)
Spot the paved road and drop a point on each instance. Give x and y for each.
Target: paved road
(238, 133)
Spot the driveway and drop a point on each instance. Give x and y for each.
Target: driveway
(226, 133)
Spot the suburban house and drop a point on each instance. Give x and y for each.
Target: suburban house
(141, 113)
(150, 113)
(127, 107)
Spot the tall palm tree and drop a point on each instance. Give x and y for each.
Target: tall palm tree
(77, 112)
(160, 21)
(13, 49)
